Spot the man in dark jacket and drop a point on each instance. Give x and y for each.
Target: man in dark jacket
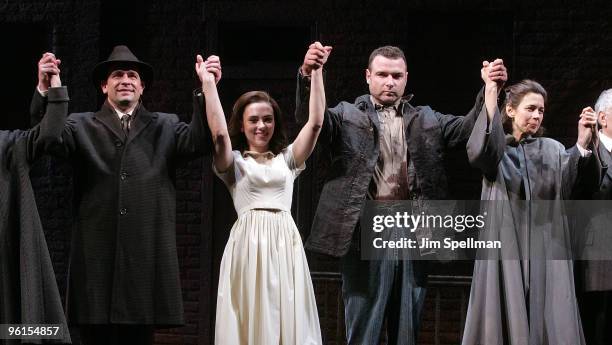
(595, 273)
(382, 148)
(124, 274)
(28, 289)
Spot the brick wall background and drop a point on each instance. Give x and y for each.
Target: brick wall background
(566, 45)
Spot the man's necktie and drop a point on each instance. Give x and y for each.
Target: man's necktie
(379, 107)
(125, 123)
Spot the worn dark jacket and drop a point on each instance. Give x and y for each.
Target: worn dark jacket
(350, 134)
(28, 288)
(123, 265)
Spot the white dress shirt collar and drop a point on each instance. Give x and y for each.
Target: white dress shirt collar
(605, 140)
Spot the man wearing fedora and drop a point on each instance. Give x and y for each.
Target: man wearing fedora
(124, 274)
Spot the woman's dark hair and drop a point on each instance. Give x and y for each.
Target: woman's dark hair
(278, 142)
(514, 96)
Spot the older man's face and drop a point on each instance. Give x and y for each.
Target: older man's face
(387, 79)
(123, 88)
(605, 121)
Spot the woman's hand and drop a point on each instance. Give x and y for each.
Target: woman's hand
(209, 70)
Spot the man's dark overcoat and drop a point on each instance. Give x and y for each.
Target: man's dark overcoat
(123, 266)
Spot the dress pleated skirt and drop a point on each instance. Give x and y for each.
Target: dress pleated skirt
(265, 291)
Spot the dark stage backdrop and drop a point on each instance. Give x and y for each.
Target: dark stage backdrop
(23, 44)
(564, 45)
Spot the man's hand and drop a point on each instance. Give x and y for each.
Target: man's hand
(209, 69)
(55, 80)
(213, 65)
(48, 72)
(494, 74)
(586, 127)
(315, 57)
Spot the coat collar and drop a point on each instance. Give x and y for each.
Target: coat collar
(364, 103)
(109, 118)
(511, 141)
(141, 120)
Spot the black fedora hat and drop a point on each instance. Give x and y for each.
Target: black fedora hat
(122, 58)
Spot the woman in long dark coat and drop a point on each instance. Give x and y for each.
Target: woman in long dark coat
(28, 289)
(524, 294)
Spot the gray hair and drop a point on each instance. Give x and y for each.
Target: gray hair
(604, 102)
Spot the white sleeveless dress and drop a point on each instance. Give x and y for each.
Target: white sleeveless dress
(265, 292)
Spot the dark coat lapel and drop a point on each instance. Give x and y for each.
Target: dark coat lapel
(109, 119)
(606, 158)
(373, 115)
(141, 120)
(364, 104)
(408, 113)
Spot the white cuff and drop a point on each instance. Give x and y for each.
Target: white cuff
(584, 152)
(42, 93)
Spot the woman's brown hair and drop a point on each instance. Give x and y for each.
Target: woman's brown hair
(514, 96)
(278, 142)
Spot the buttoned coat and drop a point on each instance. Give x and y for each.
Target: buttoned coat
(28, 288)
(123, 263)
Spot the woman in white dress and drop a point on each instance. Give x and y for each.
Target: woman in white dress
(265, 292)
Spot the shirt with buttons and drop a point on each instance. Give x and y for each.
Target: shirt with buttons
(390, 179)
